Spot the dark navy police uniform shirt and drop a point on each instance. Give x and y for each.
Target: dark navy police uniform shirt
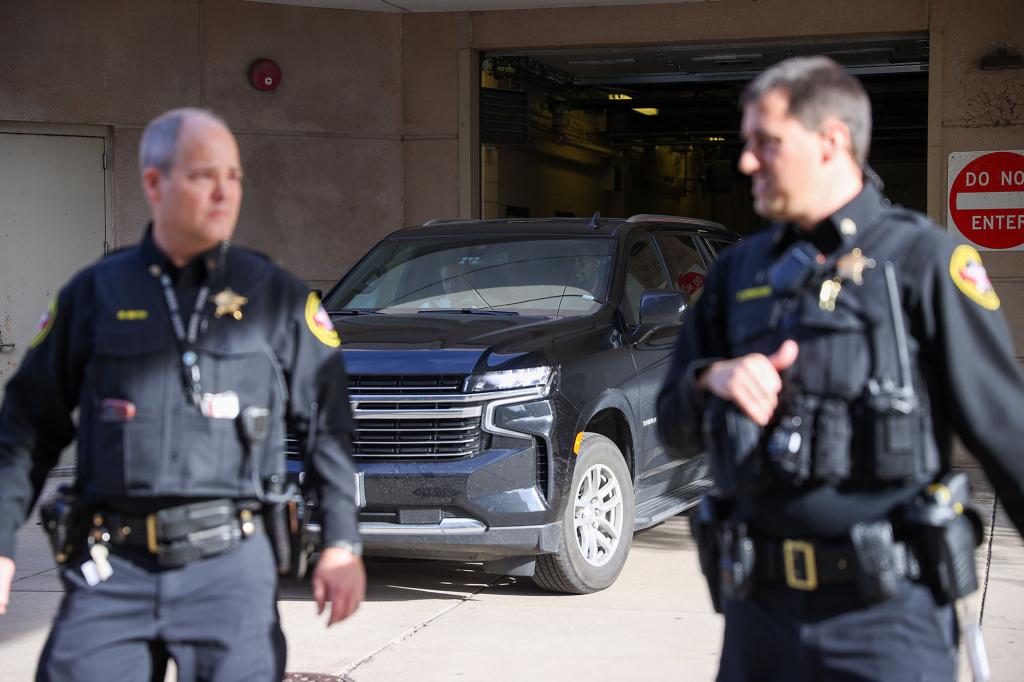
(962, 357)
(108, 339)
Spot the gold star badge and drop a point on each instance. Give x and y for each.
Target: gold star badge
(852, 266)
(228, 303)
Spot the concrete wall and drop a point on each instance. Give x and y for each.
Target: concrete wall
(372, 127)
(323, 153)
(975, 110)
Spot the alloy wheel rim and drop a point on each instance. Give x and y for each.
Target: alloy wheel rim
(597, 515)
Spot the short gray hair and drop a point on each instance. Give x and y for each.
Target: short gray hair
(159, 145)
(817, 88)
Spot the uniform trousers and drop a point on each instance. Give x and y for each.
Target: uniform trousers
(216, 617)
(780, 634)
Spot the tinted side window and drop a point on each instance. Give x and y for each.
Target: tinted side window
(643, 271)
(685, 267)
(718, 246)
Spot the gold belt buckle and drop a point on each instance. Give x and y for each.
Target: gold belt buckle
(804, 577)
(151, 543)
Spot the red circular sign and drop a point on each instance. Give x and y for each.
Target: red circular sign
(986, 200)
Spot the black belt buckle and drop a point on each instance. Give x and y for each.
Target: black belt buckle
(800, 565)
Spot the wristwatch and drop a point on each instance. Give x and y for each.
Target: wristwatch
(354, 548)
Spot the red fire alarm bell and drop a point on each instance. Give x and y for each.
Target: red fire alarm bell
(265, 74)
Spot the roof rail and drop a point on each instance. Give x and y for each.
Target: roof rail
(655, 218)
(441, 221)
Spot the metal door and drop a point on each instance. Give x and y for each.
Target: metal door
(53, 215)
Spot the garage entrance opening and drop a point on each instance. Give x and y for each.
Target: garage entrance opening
(655, 130)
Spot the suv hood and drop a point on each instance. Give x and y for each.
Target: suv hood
(457, 343)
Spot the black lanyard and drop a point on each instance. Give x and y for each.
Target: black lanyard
(187, 337)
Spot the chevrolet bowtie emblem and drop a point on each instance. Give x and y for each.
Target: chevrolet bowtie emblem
(852, 266)
(228, 303)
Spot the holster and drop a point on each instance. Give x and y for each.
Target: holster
(736, 562)
(285, 520)
(725, 550)
(705, 523)
(947, 532)
(65, 520)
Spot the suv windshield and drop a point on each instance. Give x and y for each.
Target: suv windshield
(536, 276)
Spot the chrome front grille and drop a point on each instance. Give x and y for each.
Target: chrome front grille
(419, 417)
(415, 417)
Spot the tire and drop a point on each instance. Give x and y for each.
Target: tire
(595, 537)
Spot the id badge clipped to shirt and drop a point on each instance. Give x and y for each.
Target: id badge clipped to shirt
(220, 405)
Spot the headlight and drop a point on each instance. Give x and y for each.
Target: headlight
(511, 378)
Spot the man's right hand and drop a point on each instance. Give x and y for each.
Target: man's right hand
(752, 381)
(6, 578)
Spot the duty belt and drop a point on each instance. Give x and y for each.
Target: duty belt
(807, 565)
(178, 535)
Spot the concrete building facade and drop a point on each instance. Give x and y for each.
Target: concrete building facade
(375, 123)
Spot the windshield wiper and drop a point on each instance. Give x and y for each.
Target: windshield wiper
(355, 311)
(466, 311)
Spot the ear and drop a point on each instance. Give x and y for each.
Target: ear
(836, 140)
(151, 184)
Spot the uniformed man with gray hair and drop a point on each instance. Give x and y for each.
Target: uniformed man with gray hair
(189, 358)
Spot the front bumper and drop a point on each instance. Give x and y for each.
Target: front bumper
(459, 540)
(499, 503)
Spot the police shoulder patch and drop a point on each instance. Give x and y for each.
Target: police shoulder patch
(45, 324)
(319, 322)
(969, 275)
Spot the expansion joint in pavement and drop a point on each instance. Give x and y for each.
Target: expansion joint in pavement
(347, 670)
(988, 559)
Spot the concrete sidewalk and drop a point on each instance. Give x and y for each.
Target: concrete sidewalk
(439, 621)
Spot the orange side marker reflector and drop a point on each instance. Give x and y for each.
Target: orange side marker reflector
(576, 445)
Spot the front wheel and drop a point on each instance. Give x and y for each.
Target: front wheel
(597, 522)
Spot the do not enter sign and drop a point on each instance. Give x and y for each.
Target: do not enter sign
(986, 198)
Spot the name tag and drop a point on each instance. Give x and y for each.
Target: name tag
(219, 405)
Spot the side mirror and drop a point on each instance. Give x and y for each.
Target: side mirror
(659, 308)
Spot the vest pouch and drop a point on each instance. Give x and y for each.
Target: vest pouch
(789, 446)
(832, 436)
(121, 450)
(733, 441)
(239, 363)
(895, 439)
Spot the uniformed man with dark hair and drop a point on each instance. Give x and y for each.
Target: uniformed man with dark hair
(827, 366)
(188, 359)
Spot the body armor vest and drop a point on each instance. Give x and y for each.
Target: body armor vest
(853, 408)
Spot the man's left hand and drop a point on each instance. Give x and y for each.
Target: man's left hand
(339, 577)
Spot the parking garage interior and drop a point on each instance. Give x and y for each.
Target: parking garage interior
(569, 132)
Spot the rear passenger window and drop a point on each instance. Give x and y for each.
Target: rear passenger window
(685, 267)
(717, 246)
(643, 271)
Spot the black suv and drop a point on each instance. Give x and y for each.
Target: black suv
(503, 375)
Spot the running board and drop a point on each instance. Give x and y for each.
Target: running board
(671, 503)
